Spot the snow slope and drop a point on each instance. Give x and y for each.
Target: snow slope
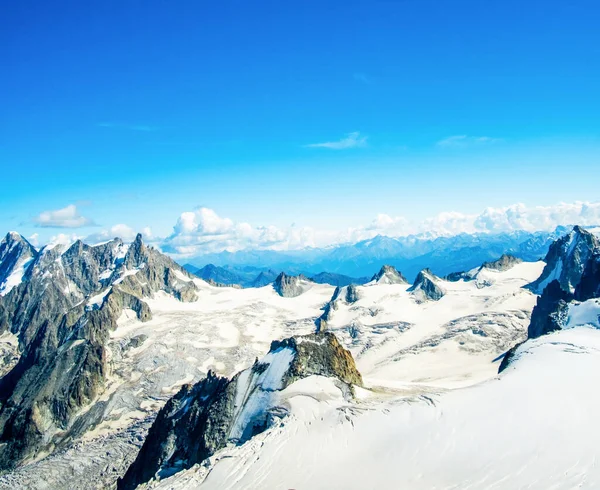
(506, 433)
(397, 340)
(401, 347)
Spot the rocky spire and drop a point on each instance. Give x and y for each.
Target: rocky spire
(426, 287)
(389, 275)
(290, 286)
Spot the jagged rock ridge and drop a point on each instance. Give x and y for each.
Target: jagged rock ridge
(389, 275)
(62, 313)
(291, 286)
(205, 417)
(347, 294)
(566, 260)
(571, 276)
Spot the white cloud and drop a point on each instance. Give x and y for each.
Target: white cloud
(126, 233)
(204, 231)
(462, 140)
(67, 217)
(352, 140)
(34, 239)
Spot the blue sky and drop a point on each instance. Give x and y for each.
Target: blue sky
(317, 114)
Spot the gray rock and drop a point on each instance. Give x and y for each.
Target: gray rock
(426, 287)
(290, 286)
(348, 294)
(504, 263)
(203, 418)
(389, 275)
(566, 260)
(62, 338)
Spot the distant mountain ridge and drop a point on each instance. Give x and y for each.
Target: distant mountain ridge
(410, 254)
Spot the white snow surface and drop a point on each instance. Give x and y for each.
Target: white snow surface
(402, 348)
(447, 343)
(16, 276)
(534, 426)
(586, 313)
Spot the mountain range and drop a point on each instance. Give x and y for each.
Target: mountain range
(120, 368)
(409, 254)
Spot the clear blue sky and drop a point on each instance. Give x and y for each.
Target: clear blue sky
(136, 111)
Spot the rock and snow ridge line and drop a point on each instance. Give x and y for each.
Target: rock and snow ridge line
(206, 417)
(376, 314)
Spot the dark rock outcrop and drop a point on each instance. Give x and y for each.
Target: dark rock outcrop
(550, 311)
(389, 275)
(566, 260)
(426, 287)
(504, 263)
(347, 294)
(205, 417)
(572, 273)
(589, 285)
(290, 286)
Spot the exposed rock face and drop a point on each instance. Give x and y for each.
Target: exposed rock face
(389, 275)
(204, 418)
(589, 286)
(571, 275)
(426, 287)
(504, 263)
(290, 286)
(550, 311)
(62, 313)
(457, 276)
(566, 260)
(347, 294)
(16, 254)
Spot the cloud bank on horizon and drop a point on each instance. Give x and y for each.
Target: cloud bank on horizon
(203, 230)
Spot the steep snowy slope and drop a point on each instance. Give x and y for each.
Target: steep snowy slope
(16, 254)
(533, 427)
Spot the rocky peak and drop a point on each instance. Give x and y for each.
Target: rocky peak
(205, 417)
(504, 263)
(566, 260)
(62, 314)
(389, 275)
(16, 254)
(347, 294)
(426, 287)
(290, 286)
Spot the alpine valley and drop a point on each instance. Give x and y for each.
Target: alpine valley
(449, 362)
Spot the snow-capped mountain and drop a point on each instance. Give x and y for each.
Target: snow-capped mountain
(98, 341)
(409, 254)
(16, 254)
